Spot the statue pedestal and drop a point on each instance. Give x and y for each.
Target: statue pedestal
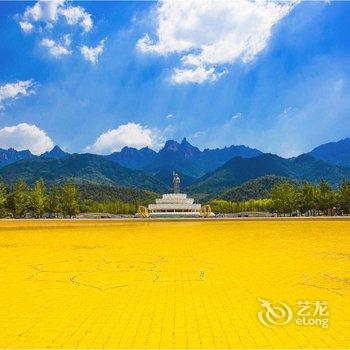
(174, 205)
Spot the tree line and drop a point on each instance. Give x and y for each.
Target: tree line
(64, 200)
(287, 198)
(311, 199)
(252, 205)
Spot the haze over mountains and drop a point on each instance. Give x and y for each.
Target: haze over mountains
(206, 173)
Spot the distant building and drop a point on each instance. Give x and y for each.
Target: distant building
(175, 205)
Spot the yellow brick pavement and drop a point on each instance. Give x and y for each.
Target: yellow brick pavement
(194, 284)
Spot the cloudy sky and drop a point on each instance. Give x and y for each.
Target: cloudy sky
(96, 76)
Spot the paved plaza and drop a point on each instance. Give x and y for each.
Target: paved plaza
(184, 284)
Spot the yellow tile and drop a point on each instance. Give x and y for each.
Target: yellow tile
(193, 284)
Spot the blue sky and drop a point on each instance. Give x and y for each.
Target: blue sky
(95, 76)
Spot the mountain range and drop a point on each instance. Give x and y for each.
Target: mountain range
(8, 156)
(256, 188)
(189, 161)
(79, 168)
(56, 152)
(239, 170)
(133, 158)
(205, 174)
(337, 153)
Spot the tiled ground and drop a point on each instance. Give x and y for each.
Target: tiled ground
(170, 284)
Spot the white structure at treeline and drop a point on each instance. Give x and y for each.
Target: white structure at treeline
(174, 204)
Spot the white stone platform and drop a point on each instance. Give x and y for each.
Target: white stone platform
(174, 205)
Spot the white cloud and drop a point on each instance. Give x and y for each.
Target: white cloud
(67, 39)
(43, 11)
(26, 26)
(197, 134)
(93, 53)
(131, 134)
(45, 14)
(236, 116)
(195, 75)
(55, 49)
(25, 136)
(49, 12)
(77, 15)
(209, 33)
(14, 90)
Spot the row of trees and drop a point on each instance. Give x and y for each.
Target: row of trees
(65, 200)
(285, 198)
(311, 199)
(252, 205)
(112, 207)
(36, 201)
(288, 198)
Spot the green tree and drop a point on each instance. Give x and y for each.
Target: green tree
(70, 205)
(225, 207)
(18, 199)
(325, 198)
(344, 197)
(3, 199)
(285, 198)
(37, 198)
(53, 202)
(308, 197)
